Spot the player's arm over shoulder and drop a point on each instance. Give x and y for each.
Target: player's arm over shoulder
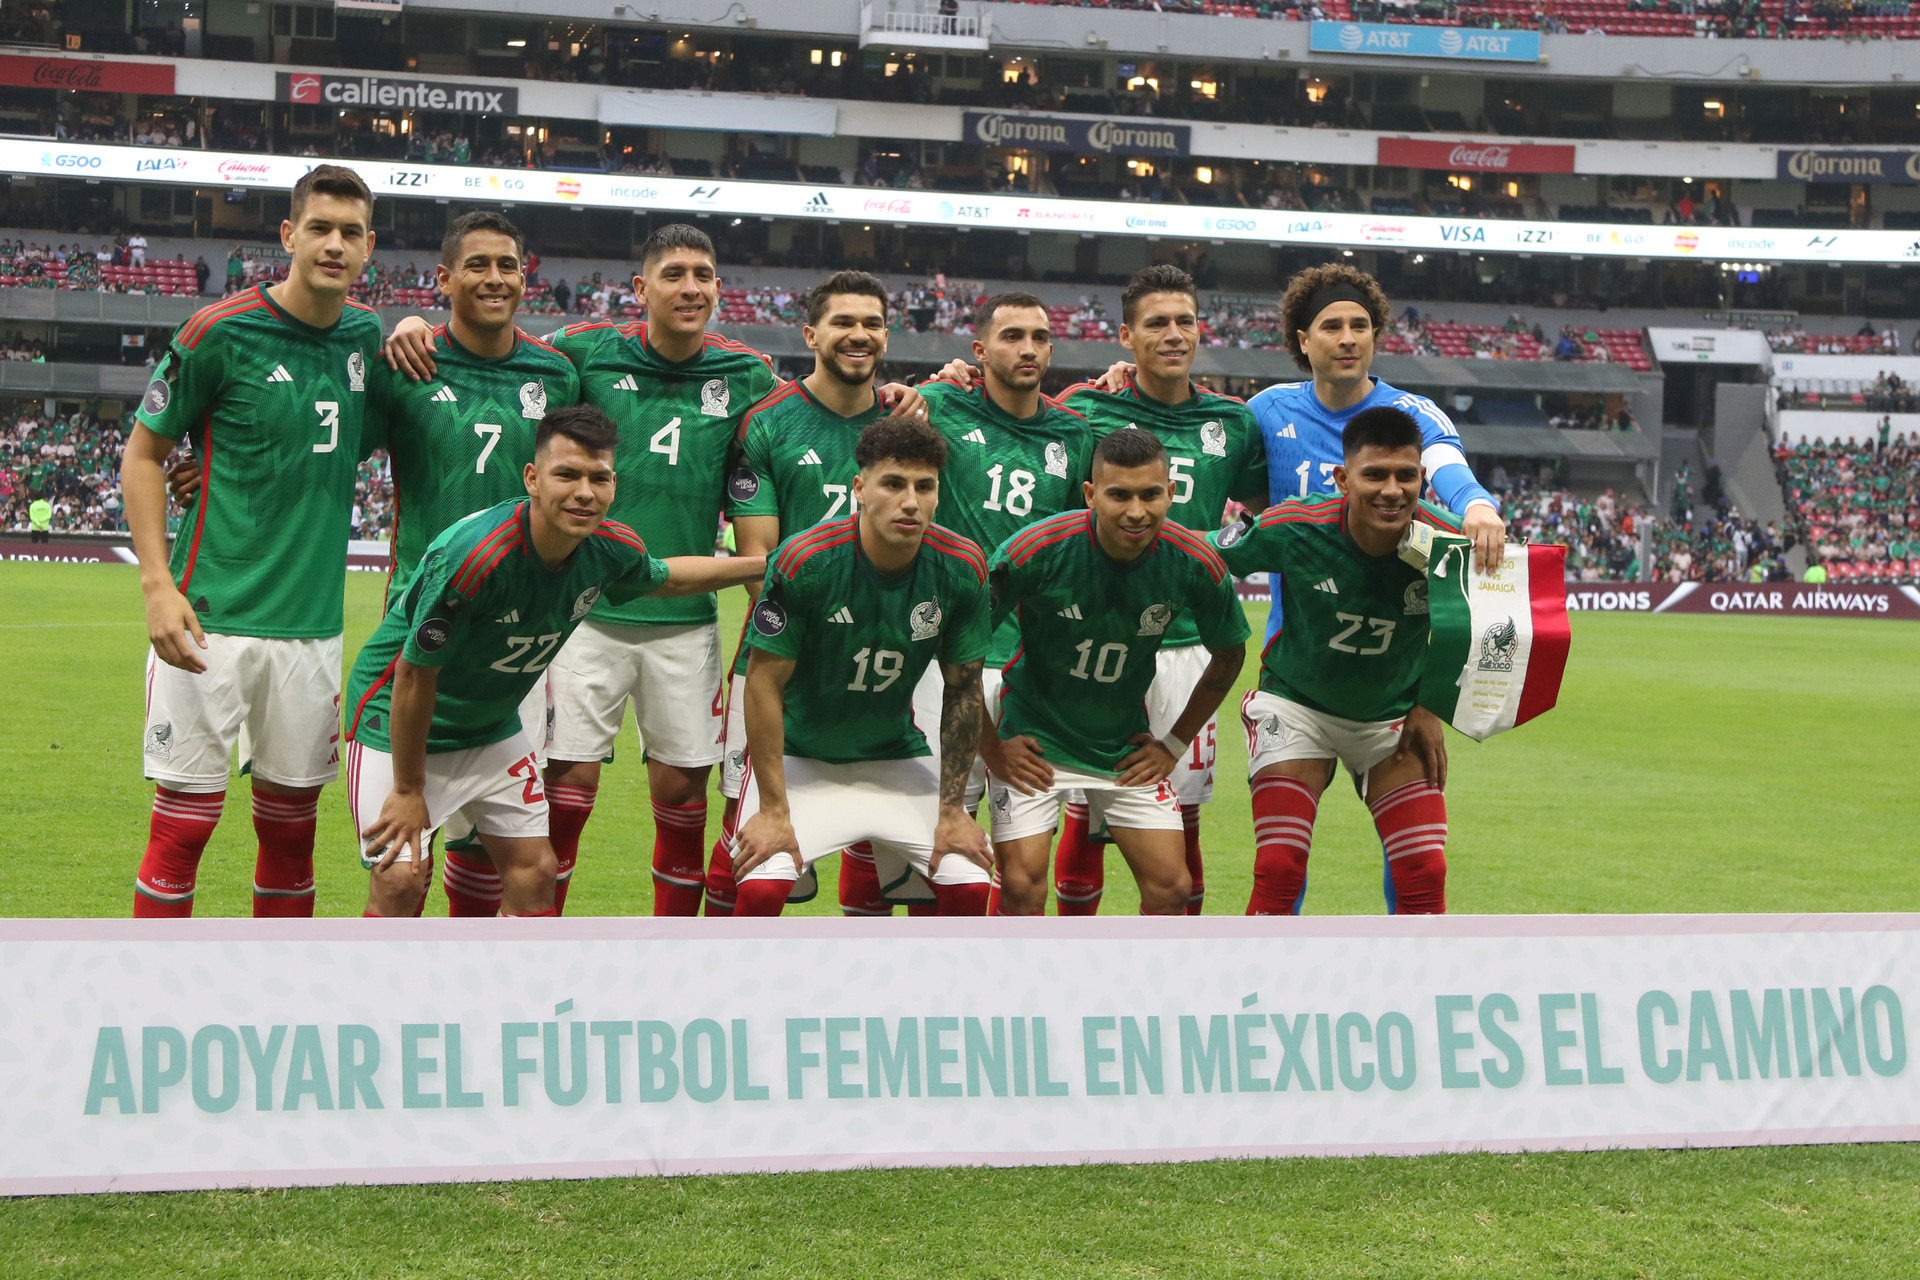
(1263, 544)
(1438, 516)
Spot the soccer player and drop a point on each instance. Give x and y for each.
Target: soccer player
(851, 612)
(1340, 681)
(434, 728)
(1216, 455)
(270, 385)
(794, 468)
(1097, 594)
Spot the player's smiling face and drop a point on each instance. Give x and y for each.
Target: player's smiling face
(1339, 343)
(1129, 505)
(897, 501)
(486, 281)
(851, 337)
(571, 486)
(1382, 487)
(681, 288)
(329, 242)
(1017, 347)
(1164, 334)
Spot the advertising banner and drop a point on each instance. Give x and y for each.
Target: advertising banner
(400, 93)
(1823, 164)
(1396, 40)
(155, 1055)
(1049, 132)
(1709, 346)
(1776, 599)
(87, 74)
(1475, 157)
(941, 208)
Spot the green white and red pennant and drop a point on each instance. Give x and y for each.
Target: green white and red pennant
(1499, 641)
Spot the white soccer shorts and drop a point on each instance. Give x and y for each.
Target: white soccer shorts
(494, 790)
(1109, 805)
(1280, 729)
(733, 765)
(671, 675)
(536, 721)
(893, 804)
(1178, 674)
(276, 701)
(929, 699)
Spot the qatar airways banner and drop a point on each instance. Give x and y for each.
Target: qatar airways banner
(732, 198)
(1474, 157)
(1775, 599)
(160, 1055)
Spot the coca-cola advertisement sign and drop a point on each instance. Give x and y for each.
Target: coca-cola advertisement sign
(1475, 157)
(87, 75)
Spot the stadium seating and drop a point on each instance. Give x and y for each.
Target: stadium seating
(1855, 507)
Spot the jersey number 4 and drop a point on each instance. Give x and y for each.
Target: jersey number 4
(521, 645)
(667, 440)
(1382, 631)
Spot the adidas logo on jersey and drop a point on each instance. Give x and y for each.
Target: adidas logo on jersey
(975, 436)
(1072, 611)
(842, 614)
(1327, 585)
(279, 374)
(1286, 433)
(445, 395)
(626, 384)
(811, 459)
(513, 615)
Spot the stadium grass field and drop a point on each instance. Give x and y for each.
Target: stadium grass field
(1694, 764)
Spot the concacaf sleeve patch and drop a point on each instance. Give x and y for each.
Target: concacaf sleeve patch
(433, 635)
(769, 619)
(743, 485)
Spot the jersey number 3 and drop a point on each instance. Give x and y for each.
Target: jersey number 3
(329, 411)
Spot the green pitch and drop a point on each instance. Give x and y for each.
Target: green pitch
(1694, 764)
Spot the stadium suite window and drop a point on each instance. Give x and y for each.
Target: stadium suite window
(303, 20)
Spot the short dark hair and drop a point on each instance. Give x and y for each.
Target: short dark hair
(479, 220)
(859, 284)
(983, 318)
(1382, 426)
(676, 235)
(1295, 317)
(1162, 278)
(901, 437)
(583, 424)
(1130, 447)
(329, 180)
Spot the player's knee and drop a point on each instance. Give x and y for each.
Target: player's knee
(671, 784)
(572, 773)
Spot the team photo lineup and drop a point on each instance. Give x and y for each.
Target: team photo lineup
(990, 632)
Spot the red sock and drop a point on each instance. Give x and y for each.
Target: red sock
(177, 835)
(1412, 822)
(960, 899)
(860, 883)
(1190, 823)
(568, 809)
(472, 883)
(679, 843)
(933, 909)
(283, 869)
(1079, 866)
(762, 897)
(371, 914)
(993, 899)
(528, 915)
(1283, 813)
(721, 891)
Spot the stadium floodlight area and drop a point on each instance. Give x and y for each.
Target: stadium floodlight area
(725, 196)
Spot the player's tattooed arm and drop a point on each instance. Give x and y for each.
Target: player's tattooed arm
(962, 717)
(1154, 759)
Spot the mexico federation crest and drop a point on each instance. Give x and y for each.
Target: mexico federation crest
(533, 400)
(1056, 459)
(1154, 620)
(160, 741)
(1271, 733)
(1499, 646)
(714, 397)
(585, 603)
(1416, 598)
(356, 371)
(159, 394)
(1213, 439)
(925, 620)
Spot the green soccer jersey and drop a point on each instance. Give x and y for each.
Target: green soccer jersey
(1090, 626)
(677, 425)
(276, 411)
(861, 639)
(1214, 452)
(460, 442)
(1003, 472)
(1355, 640)
(485, 610)
(794, 460)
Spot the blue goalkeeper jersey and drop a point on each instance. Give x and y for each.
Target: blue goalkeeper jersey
(1303, 447)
